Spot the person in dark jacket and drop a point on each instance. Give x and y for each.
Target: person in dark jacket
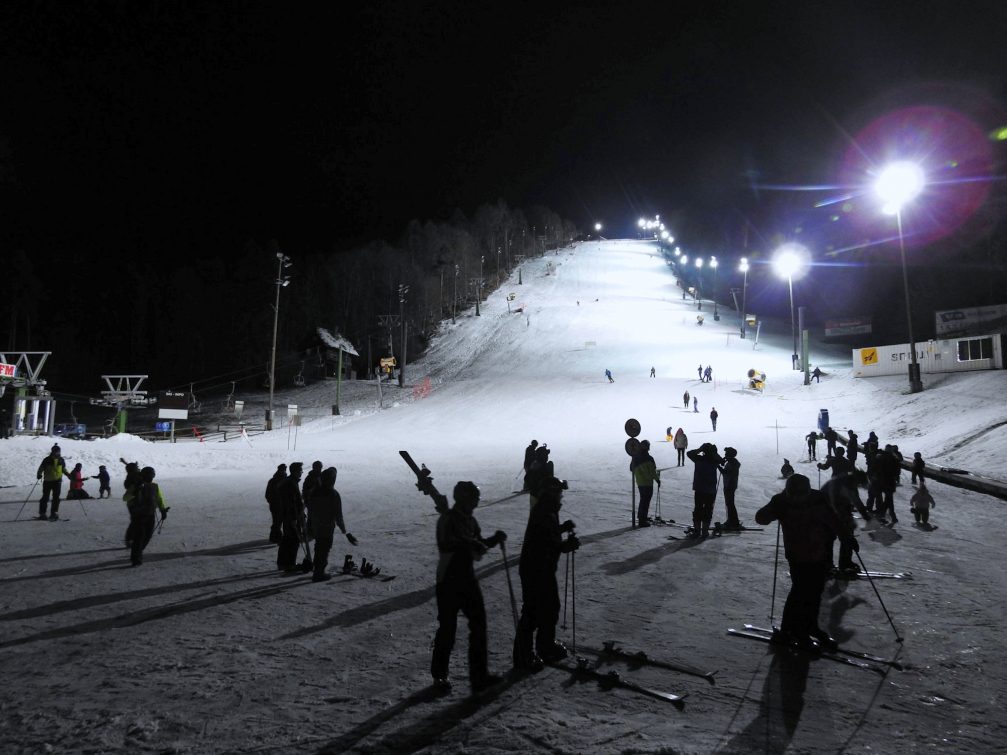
(809, 527)
(51, 472)
(645, 475)
(852, 449)
(543, 544)
(130, 484)
(713, 418)
(529, 457)
(142, 509)
(104, 482)
(460, 543)
(885, 470)
(871, 446)
(541, 470)
(273, 499)
(325, 507)
(786, 470)
(831, 436)
(311, 479)
(812, 440)
(704, 486)
(918, 467)
(729, 471)
(291, 521)
(685, 398)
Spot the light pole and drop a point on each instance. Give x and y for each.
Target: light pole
(787, 261)
(743, 267)
(714, 264)
(454, 299)
(479, 287)
(403, 290)
(699, 283)
(282, 262)
(896, 186)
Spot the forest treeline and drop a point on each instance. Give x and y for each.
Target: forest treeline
(209, 320)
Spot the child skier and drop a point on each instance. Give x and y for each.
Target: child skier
(103, 479)
(921, 503)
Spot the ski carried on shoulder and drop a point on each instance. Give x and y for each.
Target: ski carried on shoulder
(852, 653)
(425, 482)
(610, 650)
(610, 679)
(837, 657)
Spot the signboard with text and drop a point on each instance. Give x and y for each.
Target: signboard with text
(172, 405)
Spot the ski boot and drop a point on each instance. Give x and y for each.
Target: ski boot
(348, 566)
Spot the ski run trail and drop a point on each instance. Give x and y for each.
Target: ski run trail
(206, 648)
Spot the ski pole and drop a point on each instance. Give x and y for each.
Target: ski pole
(510, 585)
(776, 563)
(26, 500)
(566, 587)
(883, 608)
(573, 603)
(632, 504)
(81, 502)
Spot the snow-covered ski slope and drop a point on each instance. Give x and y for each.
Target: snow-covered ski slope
(206, 649)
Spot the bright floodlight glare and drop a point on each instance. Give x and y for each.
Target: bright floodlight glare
(743, 266)
(678, 252)
(898, 184)
(597, 226)
(789, 259)
(699, 261)
(641, 222)
(671, 239)
(713, 262)
(664, 234)
(685, 259)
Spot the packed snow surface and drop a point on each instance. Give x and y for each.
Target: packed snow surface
(207, 648)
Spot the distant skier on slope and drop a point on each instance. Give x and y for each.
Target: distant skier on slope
(812, 439)
(786, 470)
(608, 374)
(685, 399)
(713, 418)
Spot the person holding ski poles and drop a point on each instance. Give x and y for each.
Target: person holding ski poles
(460, 543)
(809, 526)
(51, 472)
(543, 544)
(147, 501)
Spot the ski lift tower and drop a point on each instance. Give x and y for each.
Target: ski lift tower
(34, 406)
(123, 391)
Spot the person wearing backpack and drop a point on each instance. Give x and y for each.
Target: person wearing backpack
(142, 509)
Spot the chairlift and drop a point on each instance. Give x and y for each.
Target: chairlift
(299, 377)
(195, 407)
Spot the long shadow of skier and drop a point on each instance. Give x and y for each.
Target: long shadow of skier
(423, 733)
(91, 601)
(639, 560)
(133, 618)
(376, 610)
(73, 571)
(61, 553)
(780, 708)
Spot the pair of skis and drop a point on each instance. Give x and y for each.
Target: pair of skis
(873, 575)
(855, 658)
(583, 670)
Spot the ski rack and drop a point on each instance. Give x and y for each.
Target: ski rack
(124, 391)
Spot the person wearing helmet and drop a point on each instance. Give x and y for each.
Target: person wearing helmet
(809, 527)
(529, 457)
(543, 544)
(460, 544)
(51, 472)
(145, 504)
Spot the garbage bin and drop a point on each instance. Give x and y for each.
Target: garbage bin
(823, 419)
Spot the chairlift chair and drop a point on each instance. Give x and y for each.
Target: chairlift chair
(228, 404)
(299, 377)
(195, 407)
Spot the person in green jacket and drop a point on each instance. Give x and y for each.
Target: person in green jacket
(645, 474)
(51, 472)
(146, 502)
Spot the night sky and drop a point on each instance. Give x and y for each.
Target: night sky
(172, 130)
